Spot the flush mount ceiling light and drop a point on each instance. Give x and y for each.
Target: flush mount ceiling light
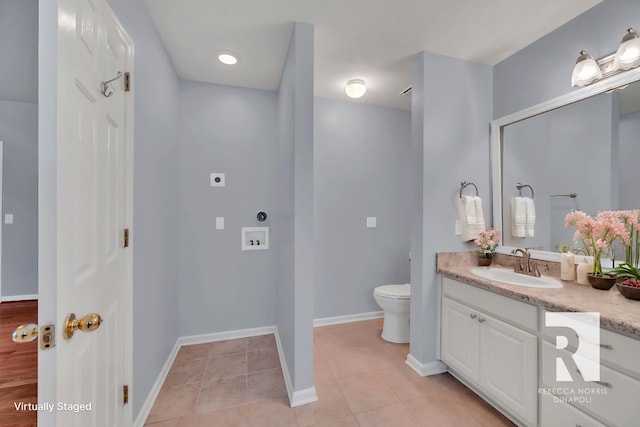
(588, 70)
(227, 58)
(628, 54)
(355, 88)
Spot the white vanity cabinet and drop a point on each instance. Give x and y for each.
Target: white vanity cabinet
(489, 341)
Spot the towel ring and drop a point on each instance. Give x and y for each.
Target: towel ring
(465, 184)
(520, 186)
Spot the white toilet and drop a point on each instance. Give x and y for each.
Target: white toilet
(394, 300)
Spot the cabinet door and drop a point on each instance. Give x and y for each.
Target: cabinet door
(460, 339)
(509, 367)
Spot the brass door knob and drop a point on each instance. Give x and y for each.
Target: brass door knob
(88, 323)
(25, 333)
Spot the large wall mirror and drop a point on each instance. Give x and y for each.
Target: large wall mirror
(578, 151)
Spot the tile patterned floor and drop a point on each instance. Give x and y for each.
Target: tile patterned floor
(361, 380)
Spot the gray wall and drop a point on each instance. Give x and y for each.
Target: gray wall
(629, 155)
(19, 131)
(19, 50)
(361, 164)
(234, 131)
(542, 70)
(451, 111)
(294, 221)
(155, 222)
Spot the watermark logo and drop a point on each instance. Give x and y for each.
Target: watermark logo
(581, 331)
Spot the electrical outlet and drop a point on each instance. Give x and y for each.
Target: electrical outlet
(8, 218)
(217, 180)
(371, 222)
(219, 223)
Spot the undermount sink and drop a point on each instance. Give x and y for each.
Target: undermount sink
(510, 277)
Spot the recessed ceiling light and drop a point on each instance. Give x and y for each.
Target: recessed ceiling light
(355, 88)
(227, 58)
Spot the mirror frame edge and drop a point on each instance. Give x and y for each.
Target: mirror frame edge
(496, 134)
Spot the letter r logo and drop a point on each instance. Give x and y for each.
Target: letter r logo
(587, 354)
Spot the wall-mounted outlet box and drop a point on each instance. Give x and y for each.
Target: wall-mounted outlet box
(217, 180)
(255, 238)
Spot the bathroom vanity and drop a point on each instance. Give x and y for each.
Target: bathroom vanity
(493, 338)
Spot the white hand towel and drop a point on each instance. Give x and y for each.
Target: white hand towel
(470, 210)
(531, 216)
(479, 213)
(518, 217)
(466, 231)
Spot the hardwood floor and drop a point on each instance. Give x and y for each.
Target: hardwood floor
(18, 365)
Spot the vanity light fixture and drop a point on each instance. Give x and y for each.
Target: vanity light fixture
(227, 58)
(628, 54)
(588, 70)
(355, 88)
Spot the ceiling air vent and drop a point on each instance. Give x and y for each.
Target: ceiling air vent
(407, 91)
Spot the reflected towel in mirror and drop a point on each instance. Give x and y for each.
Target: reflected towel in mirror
(518, 217)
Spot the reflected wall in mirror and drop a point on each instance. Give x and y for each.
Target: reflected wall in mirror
(590, 147)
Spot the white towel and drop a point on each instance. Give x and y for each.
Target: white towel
(479, 213)
(531, 216)
(518, 217)
(470, 210)
(470, 217)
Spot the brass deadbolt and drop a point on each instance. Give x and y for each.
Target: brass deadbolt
(88, 323)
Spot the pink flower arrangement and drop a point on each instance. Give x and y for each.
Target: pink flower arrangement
(631, 220)
(487, 242)
(597, 233)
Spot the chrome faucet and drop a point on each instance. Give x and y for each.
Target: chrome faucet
(526, 265)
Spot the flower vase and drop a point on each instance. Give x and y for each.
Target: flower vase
(484, 262)
(603, 283)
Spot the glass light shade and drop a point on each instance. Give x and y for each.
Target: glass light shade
(227, 58)
(586, 70)
(628, 54)
(355, 88)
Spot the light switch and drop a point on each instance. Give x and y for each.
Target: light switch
(371, 222)
(219, 223)
(217, 180)
(8, 218)
(458, 231)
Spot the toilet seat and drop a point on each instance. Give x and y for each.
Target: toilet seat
(402, 292)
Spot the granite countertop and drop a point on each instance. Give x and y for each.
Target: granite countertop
(617, 313)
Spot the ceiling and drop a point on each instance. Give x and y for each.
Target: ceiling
(373, 40)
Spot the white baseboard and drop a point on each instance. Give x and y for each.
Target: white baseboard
(153, 394)
(296, 398)
(19, 298)
(336, 320)
(226, 335)
(426, 369)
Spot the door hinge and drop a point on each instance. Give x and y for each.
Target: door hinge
(126, 237)
(127, 82)
(125, 394)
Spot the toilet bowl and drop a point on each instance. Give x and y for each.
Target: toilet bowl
(394, 300)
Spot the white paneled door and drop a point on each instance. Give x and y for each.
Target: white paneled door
(93, 209)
